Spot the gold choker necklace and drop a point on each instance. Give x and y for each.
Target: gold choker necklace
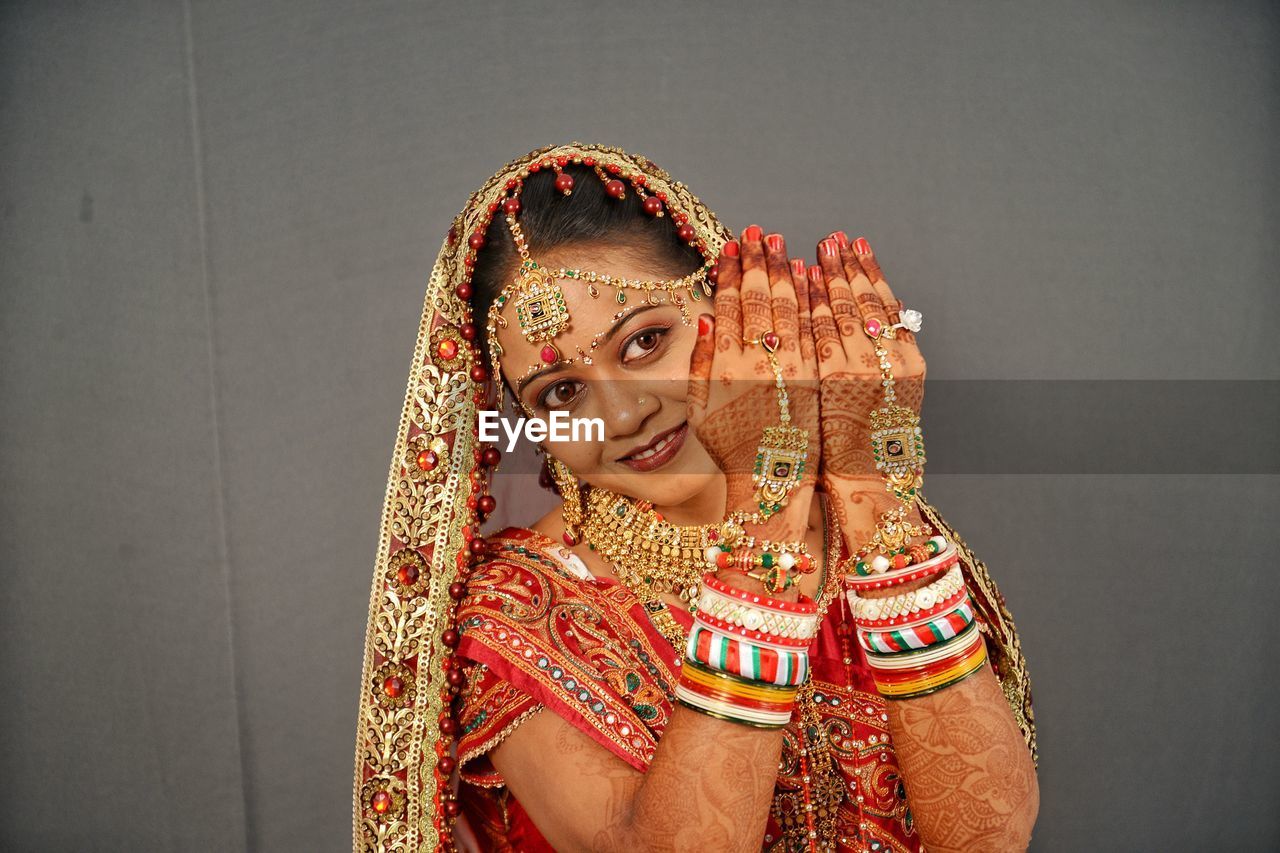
(650, 555)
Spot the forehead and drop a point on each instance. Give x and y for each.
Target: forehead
(588, 316)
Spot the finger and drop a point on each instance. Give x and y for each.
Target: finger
(866, 301)
(861, 251)
(786, 312)
(728, 326)
(843, 306)
(757, 306)
(800, 282)
(704, 353)
(826, 337)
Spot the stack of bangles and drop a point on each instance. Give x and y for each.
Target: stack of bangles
(747, 655)
(922, 640)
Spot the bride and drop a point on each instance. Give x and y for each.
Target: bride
(745, 628)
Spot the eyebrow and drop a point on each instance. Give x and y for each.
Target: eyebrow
(608, 336)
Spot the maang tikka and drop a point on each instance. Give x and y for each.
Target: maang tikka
(540, 304)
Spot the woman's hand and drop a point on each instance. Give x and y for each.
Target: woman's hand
(846, 289)
(732, 390)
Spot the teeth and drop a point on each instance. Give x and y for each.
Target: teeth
(657, 448)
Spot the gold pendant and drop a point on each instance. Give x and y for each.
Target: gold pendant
(780, 463)
(540, 304)
(897, 444)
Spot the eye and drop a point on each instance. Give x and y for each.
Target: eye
(644, 342)
(559, 394)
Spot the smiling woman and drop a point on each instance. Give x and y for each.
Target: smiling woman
(744, 628)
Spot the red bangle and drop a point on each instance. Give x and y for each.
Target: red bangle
(805, 606)
(911, 573)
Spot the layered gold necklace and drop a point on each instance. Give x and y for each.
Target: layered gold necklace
(650, 555)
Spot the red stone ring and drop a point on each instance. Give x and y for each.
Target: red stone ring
(769, 340)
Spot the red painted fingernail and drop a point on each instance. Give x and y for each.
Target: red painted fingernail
(704, 325)
(862, 246)
(829, 248)
(797, 266)
(815, 274)
(753, 232)
(731, 248)
(774, 242)
(841, 238)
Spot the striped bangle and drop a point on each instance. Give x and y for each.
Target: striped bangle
(936, 630)
(918, 658)
(756, 661)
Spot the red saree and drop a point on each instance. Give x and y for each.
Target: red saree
(535, 634)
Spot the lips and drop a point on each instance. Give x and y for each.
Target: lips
(659, 451)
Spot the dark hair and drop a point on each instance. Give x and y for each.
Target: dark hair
(588, 216)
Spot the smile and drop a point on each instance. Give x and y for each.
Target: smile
(658, 452)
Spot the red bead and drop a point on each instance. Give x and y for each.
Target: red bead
(770, 340)
(723, 560)
(652, 206)
(535, 167)
(393, 686)
(588, 161)
(450, 637)
(488, 504)
(899, 561)
(451, 808)
(613, 168)
(453, 236)
(616, 188)
(448, 725)
(491, 456)
(407, 574)
(463, 290)
(476, 241)
(427, 460)
(446, 764)
(511, 206)
(661, 195)
(713, 274)
(467, 331)
(478, 546)
(457, 590)
(479, 373)
(680, 217)
(686, 232)
(472, 502)
(564, 182)
(562, 160)
(456, 678)
(381, 802)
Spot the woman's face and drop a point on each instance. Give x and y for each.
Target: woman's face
(636, 383)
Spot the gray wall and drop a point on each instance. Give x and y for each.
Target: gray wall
(215, 226)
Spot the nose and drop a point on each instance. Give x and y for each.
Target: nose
(626, 408)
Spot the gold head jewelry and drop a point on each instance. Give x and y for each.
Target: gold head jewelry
(542, 312)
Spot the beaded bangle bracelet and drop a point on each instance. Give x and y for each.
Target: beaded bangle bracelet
(919, 617)
(933, 566)
(803, 607)
(904, 557)
(936, 630)
(741, 613)
(749, 660)
(867, 609)
(763, 637)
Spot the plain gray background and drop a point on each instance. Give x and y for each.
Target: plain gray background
(217, 221)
